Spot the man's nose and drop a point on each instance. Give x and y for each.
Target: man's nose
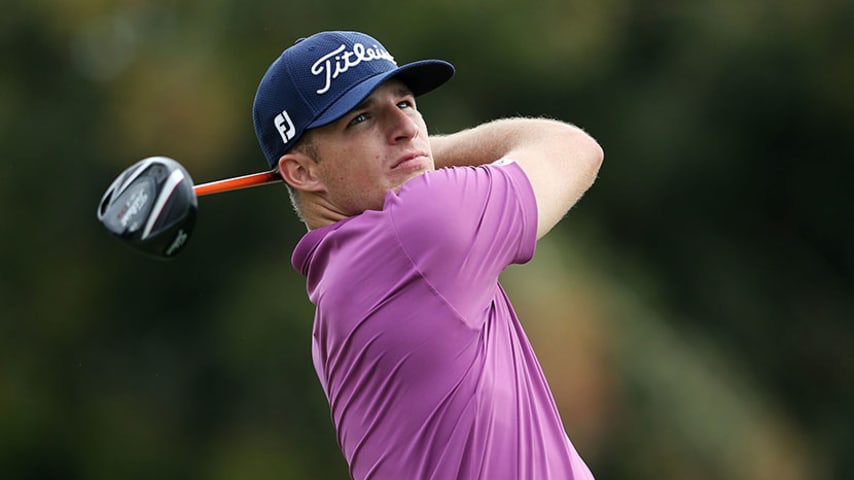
(401, 124)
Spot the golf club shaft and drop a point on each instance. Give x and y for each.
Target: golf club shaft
(236, 183)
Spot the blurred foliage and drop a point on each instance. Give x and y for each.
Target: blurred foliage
(694, 314)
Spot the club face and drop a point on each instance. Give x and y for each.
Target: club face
(151, 207)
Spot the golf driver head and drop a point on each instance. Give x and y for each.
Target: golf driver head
(151, 207)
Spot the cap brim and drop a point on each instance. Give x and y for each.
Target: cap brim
(421, 77)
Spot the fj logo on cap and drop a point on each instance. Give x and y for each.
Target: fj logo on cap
(285, 126)
(340, 60)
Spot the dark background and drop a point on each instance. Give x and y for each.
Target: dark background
(693, 313)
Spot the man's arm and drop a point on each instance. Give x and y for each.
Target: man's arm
(560, 160)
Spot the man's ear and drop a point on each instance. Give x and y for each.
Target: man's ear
(298, 170)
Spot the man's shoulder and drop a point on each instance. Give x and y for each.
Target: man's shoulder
(451, 202)
(447, 185)
(430, 197)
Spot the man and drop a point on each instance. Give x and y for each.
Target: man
(427, 370)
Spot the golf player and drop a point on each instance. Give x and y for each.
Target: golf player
(426, 367)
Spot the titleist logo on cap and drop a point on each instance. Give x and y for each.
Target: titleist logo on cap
(340, 60)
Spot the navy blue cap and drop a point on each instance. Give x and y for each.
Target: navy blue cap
(320, 78)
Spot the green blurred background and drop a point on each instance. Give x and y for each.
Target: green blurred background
(694, 314)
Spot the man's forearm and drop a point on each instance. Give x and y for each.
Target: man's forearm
(487, 142)
(560, 160)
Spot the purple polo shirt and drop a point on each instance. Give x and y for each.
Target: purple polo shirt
(427, 370)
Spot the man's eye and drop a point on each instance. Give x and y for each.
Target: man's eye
(358, 119)
(405, 104)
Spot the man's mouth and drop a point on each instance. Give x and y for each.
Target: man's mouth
(410, 159)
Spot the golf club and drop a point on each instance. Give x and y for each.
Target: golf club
(151, 206)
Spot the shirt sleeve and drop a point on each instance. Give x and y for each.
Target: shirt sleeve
(461, 227)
